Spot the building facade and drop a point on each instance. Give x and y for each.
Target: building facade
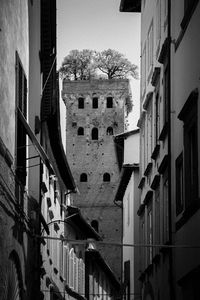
(29, 159)
(100, 280)
(185, 143)
(169, 141)
(13, 218)
(127, 196)
(95, 112)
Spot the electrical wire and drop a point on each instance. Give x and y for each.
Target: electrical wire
(80, 242)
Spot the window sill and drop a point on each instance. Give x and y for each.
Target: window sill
(187, 214)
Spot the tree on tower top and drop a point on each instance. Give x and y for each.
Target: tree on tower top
(87, 64)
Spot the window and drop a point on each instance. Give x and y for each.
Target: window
(95, 225)
(128, 209)
(143, 242)
(61, 255)
(21, 102)
(81, 102)
(127, 279)
(166, 95)
(66, 263)
(149, 131)
(81, 281)
(191, 162)
(150, 48)
(71, 268)
(95, 102)
(109, 102)
(80, 131)
(157, 215)
(109, 131)
(94, 133)
(179, 184)
(149, 234)
(106, 177)
(83, 177)
(157, 118)
(188, 115)
(165, 209)
(144, 69)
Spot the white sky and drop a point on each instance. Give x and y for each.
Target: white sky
(98, 25)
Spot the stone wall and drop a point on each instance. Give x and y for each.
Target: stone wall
(96, 157)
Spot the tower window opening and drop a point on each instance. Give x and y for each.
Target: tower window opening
(83, 177)
(95, 133)
(109, 102)
(81, 102)
(95, 102)
(109, 131)
(106, 177)
(80, 131)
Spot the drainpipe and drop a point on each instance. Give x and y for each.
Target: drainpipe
(171, 240)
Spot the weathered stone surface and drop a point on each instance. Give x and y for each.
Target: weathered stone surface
(96, 157)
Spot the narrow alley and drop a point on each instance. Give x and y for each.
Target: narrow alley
(99, 150)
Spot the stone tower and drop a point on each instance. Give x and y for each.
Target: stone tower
(95, 111)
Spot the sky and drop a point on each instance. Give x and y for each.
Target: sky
(98, 25)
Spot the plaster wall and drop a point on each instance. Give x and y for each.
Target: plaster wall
(131, 149)
(13, 37)
(185, 79)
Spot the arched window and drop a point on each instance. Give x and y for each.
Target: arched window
(81, 102)
(95, 133)
(71, 268)
(80, 131)
(109, 102)
(83, 177)
(106, 177)
(109, 131)
(66, 261)
(95, 102)
(95, 225)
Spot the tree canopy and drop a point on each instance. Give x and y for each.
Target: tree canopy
(78, 65)
(87, 64)
(114, 64)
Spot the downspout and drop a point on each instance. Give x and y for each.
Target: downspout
(171, 270)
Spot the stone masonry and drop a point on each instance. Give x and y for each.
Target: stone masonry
(93, 153)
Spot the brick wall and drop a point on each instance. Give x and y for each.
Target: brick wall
(96, 157)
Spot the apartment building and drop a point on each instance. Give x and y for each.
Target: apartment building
(29, 158)
(128, 196)
(169, 141)
(185, 161)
